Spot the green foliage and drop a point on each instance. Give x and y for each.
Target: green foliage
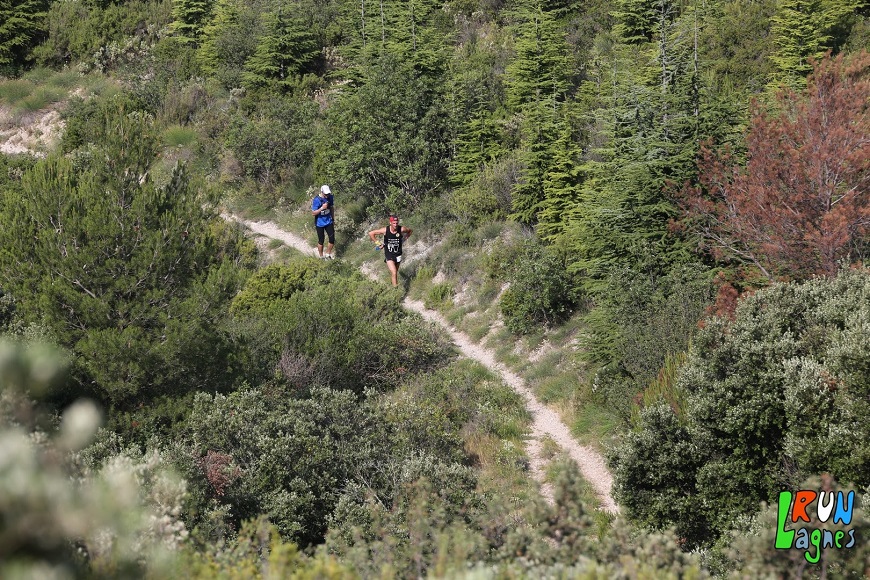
(803, 30)
(636, 19)
(775, 396)
(62, 515)
(274, 283)
(272, 140)
(438, 294)
(385, 141)
(268, 452)
(538, 72)
(189, 18)
(488, 195)
(258, 551)
(82, 31)
(541, 292)
(330, 326)
(643, 316)
(133, 281)
(228, 40)
(20, 27)
(284, 52)
(736, 44)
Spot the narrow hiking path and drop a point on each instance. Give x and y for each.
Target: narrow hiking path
(545, 421)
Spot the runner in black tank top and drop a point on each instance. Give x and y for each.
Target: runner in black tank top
(394, 235)
(393, 245)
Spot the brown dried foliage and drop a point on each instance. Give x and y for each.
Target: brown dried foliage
(800, 204)
(219, 471)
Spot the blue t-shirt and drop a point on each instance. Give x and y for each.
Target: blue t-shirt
(324, 218)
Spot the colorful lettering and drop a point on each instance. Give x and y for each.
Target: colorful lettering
(843, 513)
(783, 537)
(816, 540)
(803, 498)
(803, 540)
(825, 510)
(851, 539)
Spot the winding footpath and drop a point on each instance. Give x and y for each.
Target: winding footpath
(545, 421)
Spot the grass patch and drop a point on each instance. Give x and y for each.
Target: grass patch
(487, 293)
(178, 136)
(439, 294)
(64, 79)
(479, 327)
(561, 387)
(15, 90)
(549, 448)
(592, 424)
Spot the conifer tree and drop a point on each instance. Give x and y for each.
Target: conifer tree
(636, 20)
(20, 24)
(539, 132)
(539, 70)
(476, 145)
(561, 185)
(189, 18)
(803, 30)
(286, 50)
(128, 275)
(228, 40)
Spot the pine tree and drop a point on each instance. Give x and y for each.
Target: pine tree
(20, 24)
(476, 145)
(561, 186)
(539, 70)
(539, 132)
(228, 40)
(189, 18)
(803, 30)
(284, 52)
(536, 84)
(128, 275)
(636, 20)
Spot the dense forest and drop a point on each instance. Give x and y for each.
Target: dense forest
(657, 212)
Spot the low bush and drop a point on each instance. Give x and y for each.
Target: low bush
(541, 292)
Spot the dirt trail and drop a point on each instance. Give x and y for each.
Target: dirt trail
(545, 422)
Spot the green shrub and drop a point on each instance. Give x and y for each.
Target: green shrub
(325, 324)
(438, 294)
(775, 396)
(541, 292)
(267, 452)
(141, 289)
(642, 315)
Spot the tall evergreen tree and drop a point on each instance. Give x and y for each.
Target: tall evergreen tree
(803, 30)
(128, 275)
(536, 155)
(636, 20)
(20, 25)
(561, 185)
(539, 70)
(536, 84)
(228, 40)
(189, 18)
(286, 50)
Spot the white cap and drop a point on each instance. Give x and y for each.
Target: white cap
(324, 189)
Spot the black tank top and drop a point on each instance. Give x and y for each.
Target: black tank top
(393, 243)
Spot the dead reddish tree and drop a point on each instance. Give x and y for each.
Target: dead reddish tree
(800, 204)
